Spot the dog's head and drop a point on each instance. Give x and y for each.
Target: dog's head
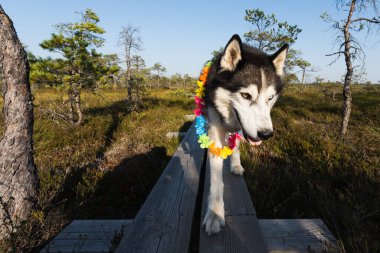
(243, 86)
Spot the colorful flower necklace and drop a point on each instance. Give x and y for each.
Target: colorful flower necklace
(201, 122)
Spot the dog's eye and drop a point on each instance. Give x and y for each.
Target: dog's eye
(271, 97)
(246, 96)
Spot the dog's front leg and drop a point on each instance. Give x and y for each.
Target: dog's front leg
(236, 167)
(214, 219)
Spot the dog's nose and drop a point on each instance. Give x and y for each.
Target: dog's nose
(265, 135)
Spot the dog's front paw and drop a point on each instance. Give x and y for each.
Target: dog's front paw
(213, 222)
(237, 169)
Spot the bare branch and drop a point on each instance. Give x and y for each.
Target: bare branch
(340, 52)
(130, 39)
(373, 20)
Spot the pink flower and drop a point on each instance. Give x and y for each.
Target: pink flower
(198, 112)
(198, 100)
(200, 106)
(233, 139)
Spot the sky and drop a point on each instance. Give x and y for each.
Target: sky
(182, 34)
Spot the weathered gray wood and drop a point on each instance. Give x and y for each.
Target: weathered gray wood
(79, 246)
(164, 222)
(237, 200)
(242, 232)
(90, 236)
(175, 134)
(190, 117)
(296, 235)
(79, 226)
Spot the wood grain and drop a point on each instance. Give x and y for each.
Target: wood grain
(92, 236)
(297, 235)
(242, 232)
(164, 222)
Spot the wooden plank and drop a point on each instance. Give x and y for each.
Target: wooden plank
(95, 225)
(87, 236)
(296, 235)
(234, 186)
(190, 117)
(164, 222)
(242, 232)
(171, 135)
(79, 247)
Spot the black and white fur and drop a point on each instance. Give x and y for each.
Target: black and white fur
(242, 87)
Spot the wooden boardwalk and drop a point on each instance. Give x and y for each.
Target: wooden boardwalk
(242, 232)
(170, 218)
(88, 236)
(296, 235)
(165, 220)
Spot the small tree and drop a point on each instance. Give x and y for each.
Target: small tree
(131, 41)
(107, 69)
(268, 33)
(349, 46)
(319, 80)
(138, 64)
(145, 73)
(188, 80)
(160, 69)
(46, 71)
(176, 79)
(304, 66)
(76, 42)
(295, 62)
(18, 174)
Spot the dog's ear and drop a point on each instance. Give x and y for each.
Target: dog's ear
(233, 54)
(279, 58)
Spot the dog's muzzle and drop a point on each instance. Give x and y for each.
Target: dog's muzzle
(261, 135)
(264, 135)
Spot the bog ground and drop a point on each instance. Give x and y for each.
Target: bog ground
(106, 167)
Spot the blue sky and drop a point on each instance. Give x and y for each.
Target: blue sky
(181, 34)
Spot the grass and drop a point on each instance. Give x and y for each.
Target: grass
(307, 171)
(106, 167)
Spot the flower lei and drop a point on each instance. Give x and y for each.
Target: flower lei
(201, 122)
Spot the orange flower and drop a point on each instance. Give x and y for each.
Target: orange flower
(204, 74)
(203, 78)
(214, 150)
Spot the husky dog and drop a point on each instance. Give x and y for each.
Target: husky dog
(242, 86)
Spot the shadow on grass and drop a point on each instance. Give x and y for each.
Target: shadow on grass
(91, 193)
(345, 197)
(116, 193)
(117, 110)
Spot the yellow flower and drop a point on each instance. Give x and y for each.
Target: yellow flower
(214, 150)
(225, 152)
(200, 92)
